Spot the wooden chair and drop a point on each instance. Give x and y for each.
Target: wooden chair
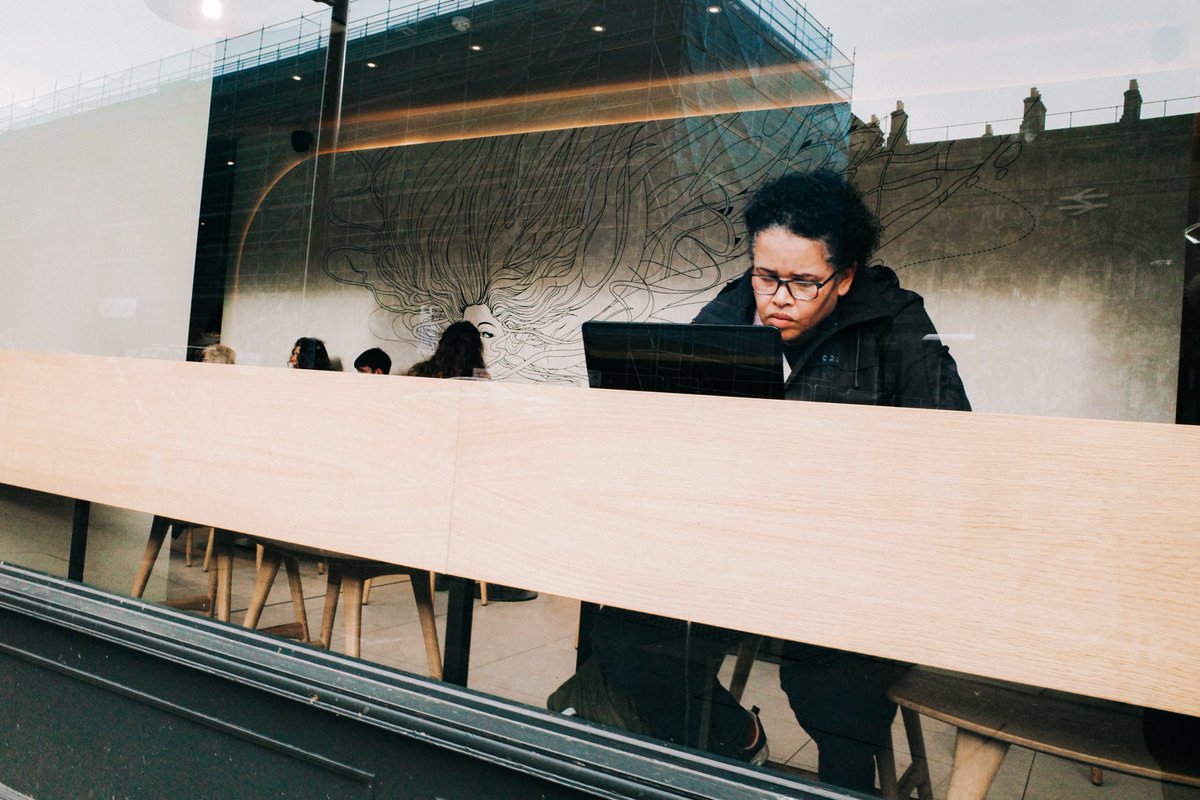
(351, 575)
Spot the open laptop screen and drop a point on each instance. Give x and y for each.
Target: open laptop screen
(730, 360)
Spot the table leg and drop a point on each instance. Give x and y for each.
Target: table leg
(458, 630)
(976, 759)
(79, 537)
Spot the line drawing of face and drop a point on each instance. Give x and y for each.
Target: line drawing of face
(490, 330)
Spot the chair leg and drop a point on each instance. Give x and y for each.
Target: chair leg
(293, 575)
(333, 591)
(423, 594)
(746, 653)
(187, 546)
(366, 591)
(158, 534)
(262, 587)
(1097, 776)
(352, 585)
(482, 593)
(208, 549)
(213, 586)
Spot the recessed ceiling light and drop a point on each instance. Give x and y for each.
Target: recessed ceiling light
(229, 163)
(476, 47)
(211, 9)
(372, 64)
(714, 9)
(295, 77)
(598, 28)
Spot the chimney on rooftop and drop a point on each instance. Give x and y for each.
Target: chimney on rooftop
(898, 132)
(1133, 103)
(1034, 120)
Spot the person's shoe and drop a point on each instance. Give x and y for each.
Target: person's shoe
(505, 594)
(756, 752)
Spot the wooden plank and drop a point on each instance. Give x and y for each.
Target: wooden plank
(1054, 552)
(341, 462)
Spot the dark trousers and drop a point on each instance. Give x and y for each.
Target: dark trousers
(840, 699)
(668, 668)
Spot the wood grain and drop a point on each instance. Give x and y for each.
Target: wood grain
(1055, 552)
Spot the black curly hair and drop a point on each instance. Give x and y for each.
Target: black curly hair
(819, 205)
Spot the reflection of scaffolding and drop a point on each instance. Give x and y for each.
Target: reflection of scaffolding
(274, 43)
(797, 31)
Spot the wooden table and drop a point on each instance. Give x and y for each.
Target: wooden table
(991, 715)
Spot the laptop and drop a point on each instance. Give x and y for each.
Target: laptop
(729, 360)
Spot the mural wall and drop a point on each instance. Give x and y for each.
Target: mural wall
(1052, 265)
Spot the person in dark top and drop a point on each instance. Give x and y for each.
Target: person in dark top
(459, 354)
(309, 353)
(373, 362)
(851, 334)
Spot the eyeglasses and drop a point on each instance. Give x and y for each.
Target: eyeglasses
(799, 289)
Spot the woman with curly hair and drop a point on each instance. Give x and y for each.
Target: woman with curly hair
(459, 354)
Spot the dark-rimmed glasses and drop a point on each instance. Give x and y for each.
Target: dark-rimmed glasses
(803, 290)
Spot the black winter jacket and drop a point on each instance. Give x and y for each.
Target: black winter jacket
(878, 347)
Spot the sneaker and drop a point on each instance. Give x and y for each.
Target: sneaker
(756, 752)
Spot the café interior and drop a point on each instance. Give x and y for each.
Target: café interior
(272, 579)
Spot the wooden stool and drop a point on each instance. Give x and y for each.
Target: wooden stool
(991, 715)
(264, 578)
(159, 527)
(350, 574)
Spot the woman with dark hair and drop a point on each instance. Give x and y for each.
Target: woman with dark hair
(459, 354)
(309, 353)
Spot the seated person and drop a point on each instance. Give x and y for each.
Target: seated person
(850, 335)
(373, 362)
(218, 354)
(309, 353)
(459, 354)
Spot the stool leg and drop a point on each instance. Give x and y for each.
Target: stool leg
(224, 552)
(1097, 776)
(746, 652)
(187, 546)
(482, 593)
(158, 534)
(976, 759)
(293, 576)
(423, 594)
(213, 586)
(352, 585)
(366, 590)
(885, 765)
(917, 773)
(262, 587)
(333, 591)
(208, 549)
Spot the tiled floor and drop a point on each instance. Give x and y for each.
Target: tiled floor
(520, 651)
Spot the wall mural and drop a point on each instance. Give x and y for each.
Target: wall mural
(528, 236)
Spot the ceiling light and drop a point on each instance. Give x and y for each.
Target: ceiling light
(598, 28)
(372, 64)
(211, 9)
(1192, 234)
(228, 164)
(295, 77)
(714, 9)
(476, 47)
